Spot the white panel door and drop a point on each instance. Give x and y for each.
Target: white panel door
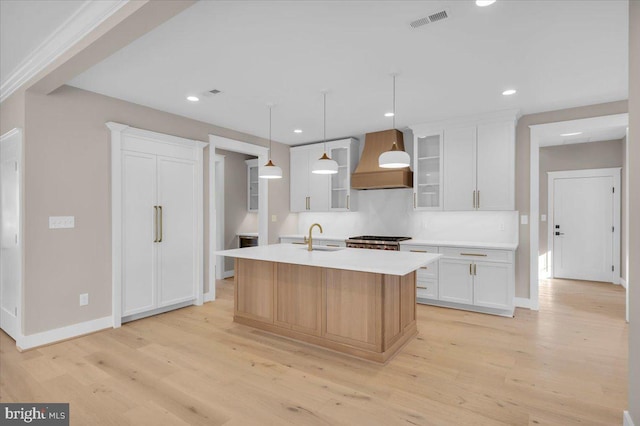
(495, 162)
(10, 261)
(177, 256)
(459, 168)
(491, 285)
(583, 228)
(138, 232)
(318, 184)
(456, 281)
(299, 180)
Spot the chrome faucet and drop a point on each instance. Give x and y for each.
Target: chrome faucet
(310, 239)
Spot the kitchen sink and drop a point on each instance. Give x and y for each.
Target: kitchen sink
(325, 248)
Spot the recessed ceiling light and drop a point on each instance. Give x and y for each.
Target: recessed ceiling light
(571, 134)
(193, 98)
(509, 92)
(388, 114)
(297, 131)
(483, 3)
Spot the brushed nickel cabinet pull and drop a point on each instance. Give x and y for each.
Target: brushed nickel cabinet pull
(415, 202)
(418, 251)
(333, 245)
(423, 267)
(296, 242)
(474, 199)
(422, 288)
(470, 269)
(161, 230)
(473, 254)
(155, 224)
(475, 269)
(478, 203)
(348, 196)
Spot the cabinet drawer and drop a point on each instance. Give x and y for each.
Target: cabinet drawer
(419, 248)
(427, 289)
(473, 254)
(429, 272)
(329, 243)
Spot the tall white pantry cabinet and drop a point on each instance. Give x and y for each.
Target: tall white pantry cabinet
(157, 208)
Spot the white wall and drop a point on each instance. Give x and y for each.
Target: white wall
(390, 212)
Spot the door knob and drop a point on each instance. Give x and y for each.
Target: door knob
(559, 233)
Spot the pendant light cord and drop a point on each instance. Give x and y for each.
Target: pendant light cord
(394, 101)
(270, 108)
(324, 118)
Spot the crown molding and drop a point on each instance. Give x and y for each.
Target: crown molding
(82, 22)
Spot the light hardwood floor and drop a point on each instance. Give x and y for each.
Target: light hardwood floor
(563, 365)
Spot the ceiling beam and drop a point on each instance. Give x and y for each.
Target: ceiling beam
(127, 24)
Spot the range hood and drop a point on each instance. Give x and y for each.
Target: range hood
(369, 175)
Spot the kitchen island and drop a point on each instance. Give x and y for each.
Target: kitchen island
(355, 301)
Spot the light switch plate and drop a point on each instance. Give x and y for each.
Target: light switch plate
(84, 299)
(60, 222)
(543, 218)
(274, 218)
(524, 219)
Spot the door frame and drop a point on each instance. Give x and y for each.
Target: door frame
(614, 173)
(119, 130)
(534, 192)
(219, 142)
(18, 135)
(219, 236)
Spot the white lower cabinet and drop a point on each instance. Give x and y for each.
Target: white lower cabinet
(473, 279)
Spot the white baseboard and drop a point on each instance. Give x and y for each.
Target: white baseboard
(623, 282)
(228, 274)
(63, 333)
(626, 419)
(522, 302)
(209, 296)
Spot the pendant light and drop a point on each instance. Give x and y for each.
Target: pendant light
(395, 158)
(325, 165)
(270, 170)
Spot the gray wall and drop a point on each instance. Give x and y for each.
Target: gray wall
(634, 211)
(236, 215)
(580, 156)
(67, 172)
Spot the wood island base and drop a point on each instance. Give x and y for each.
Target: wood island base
(362, 314)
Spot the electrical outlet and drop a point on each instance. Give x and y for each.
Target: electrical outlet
(543, 218)
(274, 218)
(524, 219)
(62, 222)
(84, 299)
(501, 227)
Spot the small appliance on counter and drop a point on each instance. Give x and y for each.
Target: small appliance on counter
(376, 242)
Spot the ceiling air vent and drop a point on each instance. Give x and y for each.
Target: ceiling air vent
(435, 17)
(215, 91)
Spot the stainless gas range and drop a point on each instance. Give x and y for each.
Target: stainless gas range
(376, 242)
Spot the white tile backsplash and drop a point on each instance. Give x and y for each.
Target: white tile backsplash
(390, 212)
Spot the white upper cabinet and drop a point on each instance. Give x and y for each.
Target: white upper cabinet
(495, 166)
(460, 168)
(253, 185)
(312, 192)
(475, 169)
(427, 171)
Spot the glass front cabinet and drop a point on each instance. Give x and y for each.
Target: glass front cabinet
(345, 153)
(253, 184)
(427, 170)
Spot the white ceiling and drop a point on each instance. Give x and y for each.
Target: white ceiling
(25, 25)
(556, 54)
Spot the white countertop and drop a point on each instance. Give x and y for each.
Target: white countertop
(317, 236)
(247, 234)
(467, 244)
(352, 259)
